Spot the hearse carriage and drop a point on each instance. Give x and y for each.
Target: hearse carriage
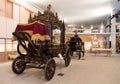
(36, 40)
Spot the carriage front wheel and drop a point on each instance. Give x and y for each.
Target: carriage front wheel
(18, 66)
(50, 69)
(67, 57)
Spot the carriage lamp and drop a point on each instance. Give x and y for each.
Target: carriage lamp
(61, 57)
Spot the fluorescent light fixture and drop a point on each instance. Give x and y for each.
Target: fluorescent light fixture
(70, 25)
(82, 26)
(91, 27)
(102, 26)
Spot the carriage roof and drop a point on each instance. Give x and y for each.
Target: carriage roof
(36, 30)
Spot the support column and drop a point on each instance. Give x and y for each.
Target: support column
(113, 34)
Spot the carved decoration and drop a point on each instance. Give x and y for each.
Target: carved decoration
(51, 21)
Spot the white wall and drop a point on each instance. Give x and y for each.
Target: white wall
(22, 15)
(16, 13)
(7, 26)
(2, 27)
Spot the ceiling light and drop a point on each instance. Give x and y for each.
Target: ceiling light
(91, 27)
(102, 26)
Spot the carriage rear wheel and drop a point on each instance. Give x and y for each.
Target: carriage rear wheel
(67, 57)
(18, 66)
(50, 69)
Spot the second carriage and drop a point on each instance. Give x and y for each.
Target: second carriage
(76, 44)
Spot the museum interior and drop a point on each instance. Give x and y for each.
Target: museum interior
(46, 41)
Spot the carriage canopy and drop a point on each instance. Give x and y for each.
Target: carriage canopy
(36, 30)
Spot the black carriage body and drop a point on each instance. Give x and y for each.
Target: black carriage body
(37, 48)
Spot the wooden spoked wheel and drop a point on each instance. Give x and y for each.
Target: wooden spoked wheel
(67, 57)
(18, 66)
(50, 69)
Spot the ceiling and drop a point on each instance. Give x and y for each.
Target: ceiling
(78, 11)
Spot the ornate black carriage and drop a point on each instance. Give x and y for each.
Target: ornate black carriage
(36, 39)
(76, 45)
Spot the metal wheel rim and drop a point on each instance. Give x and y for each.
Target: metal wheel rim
(67, 58)
(19, 65)
(50, 69)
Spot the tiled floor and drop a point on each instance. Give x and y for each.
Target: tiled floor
(93, 70)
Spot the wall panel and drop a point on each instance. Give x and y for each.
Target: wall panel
(27, 13)
(22, 15)
(10, 27)
(9, 9)
(2, 27)
(16, 12)
(2, 7)
(7, 26)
